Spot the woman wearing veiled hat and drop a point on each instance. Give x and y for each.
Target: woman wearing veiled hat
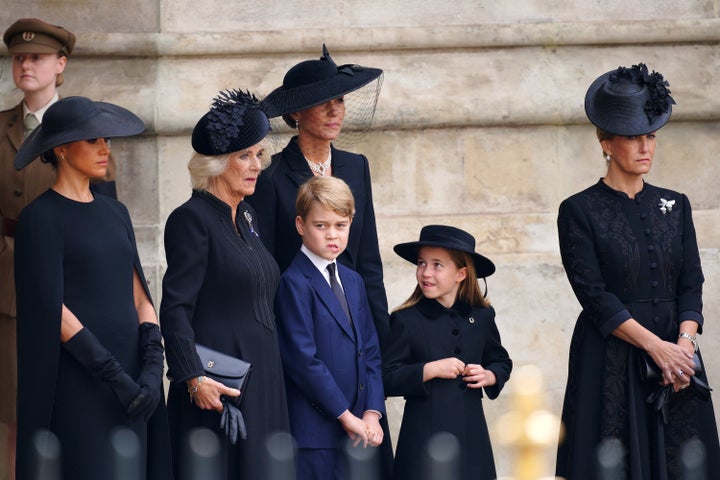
(90, 355)
(319, 98)
(218, 291)
(631, 256)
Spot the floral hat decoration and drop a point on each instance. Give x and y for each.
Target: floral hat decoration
(235, 122)
(629, 101)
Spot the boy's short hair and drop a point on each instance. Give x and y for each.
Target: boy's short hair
(330, 192)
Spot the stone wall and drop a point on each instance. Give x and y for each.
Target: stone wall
(479, 124)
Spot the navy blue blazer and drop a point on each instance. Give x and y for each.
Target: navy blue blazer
(328, 367)
(274, 203)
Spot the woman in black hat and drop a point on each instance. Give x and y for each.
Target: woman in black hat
(317, 99)
(443, 350)
(312, 101)
(39, 53)
(218, 291)
(90, 356)
(631, 256)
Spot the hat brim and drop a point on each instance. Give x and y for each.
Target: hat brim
(33, 48)
(409, 251)
(113, 121)
(617, 115)
(349, 78)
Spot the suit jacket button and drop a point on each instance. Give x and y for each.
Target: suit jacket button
(361, 387)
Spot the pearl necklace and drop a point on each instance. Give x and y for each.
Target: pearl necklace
(320, 168)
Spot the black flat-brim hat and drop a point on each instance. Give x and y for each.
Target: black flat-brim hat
(629, 101)
(446, 237)
(314, 82)
(72, 119)
(235, 122)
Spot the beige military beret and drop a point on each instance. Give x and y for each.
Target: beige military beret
(32, 35)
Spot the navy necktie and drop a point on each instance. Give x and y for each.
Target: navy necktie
(338, 291)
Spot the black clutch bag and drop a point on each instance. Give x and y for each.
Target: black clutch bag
(650, 371)
(659, 395)
(230, 371)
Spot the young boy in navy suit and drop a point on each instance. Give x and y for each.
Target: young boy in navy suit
(328, 341)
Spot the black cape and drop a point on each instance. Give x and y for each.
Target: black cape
(82, 255)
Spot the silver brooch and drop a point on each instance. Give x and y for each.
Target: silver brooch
(471, 320)
(666, 206)
(248, 219)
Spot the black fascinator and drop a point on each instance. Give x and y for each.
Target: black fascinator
(235, 122)
(629, 101)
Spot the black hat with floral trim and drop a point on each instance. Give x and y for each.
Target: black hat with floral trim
(235, 122)
(629, 101)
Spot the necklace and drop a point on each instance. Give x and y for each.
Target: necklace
(320, 168)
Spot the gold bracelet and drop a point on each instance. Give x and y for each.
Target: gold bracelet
(192, 390)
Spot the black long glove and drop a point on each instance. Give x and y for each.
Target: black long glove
(151, 373)
(91, 354)
(232, 421)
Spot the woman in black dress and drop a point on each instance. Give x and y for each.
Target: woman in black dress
(219, 288)
(631, 256)
(90, 355)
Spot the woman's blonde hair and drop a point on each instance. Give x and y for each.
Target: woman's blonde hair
(204, 167)
(469, 291)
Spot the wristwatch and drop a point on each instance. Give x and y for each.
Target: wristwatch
(691, 338)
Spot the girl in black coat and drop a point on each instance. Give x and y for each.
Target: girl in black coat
(443, 350)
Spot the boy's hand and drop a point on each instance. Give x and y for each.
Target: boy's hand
(354, 427)
(374, 430)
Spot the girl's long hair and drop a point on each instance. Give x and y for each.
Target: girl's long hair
(469, 291)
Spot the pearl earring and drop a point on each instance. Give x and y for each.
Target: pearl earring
(607, 157)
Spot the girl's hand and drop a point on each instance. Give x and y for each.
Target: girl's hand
(207, 393)
(445, 368)
(477, 377)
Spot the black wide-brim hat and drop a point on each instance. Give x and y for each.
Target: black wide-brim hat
(314, 82)
(629, 101)
(72, 119)
(235, 122)
(446, 237)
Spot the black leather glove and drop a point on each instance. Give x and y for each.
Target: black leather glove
(91, 354)
(232, 421)
(151, 373)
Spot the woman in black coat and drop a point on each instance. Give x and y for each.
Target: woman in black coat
(90, 356)
(444, 349)
(311, 100)
(218, 291)
(631, 256)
